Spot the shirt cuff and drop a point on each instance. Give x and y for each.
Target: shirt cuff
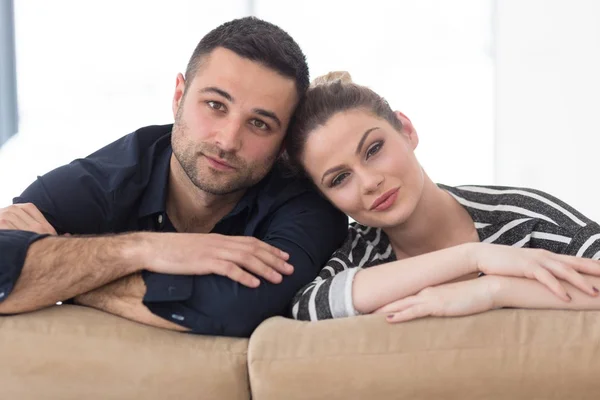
(340, 295)
(163, 288)
(13, 249)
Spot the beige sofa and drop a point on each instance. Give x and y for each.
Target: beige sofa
(71, 352)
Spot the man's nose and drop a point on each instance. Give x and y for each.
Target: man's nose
(229, 136)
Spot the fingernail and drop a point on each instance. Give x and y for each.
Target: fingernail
(390, 316)
(285, 255)
(255, 282)
(290, 268)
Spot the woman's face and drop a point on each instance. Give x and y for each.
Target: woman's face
(365, 167)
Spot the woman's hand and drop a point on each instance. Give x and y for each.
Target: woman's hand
(449, 300)
(541, 265)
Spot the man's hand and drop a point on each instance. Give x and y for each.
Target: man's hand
(25, 217)
(202, 254)
(450, 300)
(123, 298)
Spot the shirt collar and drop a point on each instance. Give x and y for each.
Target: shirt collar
(154, 199)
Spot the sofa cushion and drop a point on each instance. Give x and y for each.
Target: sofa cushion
(72, 352)
(504, 354)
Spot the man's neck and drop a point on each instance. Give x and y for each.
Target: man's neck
(191, 209)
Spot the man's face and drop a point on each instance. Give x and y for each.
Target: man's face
(231, 121)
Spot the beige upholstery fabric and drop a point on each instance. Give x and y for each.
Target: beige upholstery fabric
(71, 352)
(504, 354)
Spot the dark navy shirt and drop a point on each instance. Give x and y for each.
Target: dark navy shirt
(123, 188)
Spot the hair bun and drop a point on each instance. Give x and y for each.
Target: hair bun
(332, 77)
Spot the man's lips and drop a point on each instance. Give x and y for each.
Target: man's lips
(379, 202)
(219, 163)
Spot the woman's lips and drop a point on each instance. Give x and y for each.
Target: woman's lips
(385, 201)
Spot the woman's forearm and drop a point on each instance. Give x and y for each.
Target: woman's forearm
(526, 293)
(377, 286)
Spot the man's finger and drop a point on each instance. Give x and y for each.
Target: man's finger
(235, 273)
(275, 262)
(37, 216)
(254, 265)
(255, 243)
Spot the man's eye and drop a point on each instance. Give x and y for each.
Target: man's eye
(215, 105)
(260, 124)
(339, 179)
(374, 149)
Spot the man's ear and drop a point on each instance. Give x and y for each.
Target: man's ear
(282, 149)
(408, 129)
(179, 91)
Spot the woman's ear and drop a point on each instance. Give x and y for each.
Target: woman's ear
(408, 129)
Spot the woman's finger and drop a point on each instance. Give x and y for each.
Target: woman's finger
(568, 274)
(580, 264)
(398, 305)
(543, 276)
(413, 312)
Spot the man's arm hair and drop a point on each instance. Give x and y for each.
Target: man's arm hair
(60, 268)
(123, 298)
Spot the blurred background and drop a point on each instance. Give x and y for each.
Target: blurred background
(502, 92)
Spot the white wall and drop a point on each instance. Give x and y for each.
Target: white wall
(430, 59)
(91, 71)
(548, 97)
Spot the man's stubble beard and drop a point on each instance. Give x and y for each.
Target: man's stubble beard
(212, 181)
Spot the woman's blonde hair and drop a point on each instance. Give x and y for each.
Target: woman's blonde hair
(328, 95)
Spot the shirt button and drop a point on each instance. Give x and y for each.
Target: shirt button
(1, 295)
(177, 317)
(160, 219)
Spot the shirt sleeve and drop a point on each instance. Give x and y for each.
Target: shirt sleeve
(74, 198)
(70, 198)
(586, 242)
(329, 295)
(308, 228)
(13, 249)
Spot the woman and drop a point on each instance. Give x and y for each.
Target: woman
(416, 246)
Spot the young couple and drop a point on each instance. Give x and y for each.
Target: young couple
(198, 226)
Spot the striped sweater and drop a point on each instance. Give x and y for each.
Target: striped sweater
(510, 216)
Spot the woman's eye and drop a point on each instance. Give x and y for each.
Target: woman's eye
(260, 124)
(215, 105)
(339, 179)
(374, 149)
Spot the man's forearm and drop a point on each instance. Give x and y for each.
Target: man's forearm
(59, 268)
(123, 298)
(527, 293)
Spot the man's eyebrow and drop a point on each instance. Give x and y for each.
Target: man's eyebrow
(260, 111)
(364, 138)
(268, 114)
(358, 150)
(220, 92)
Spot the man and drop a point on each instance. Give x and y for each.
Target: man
(172, 226)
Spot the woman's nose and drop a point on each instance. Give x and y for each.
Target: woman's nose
(371, 181)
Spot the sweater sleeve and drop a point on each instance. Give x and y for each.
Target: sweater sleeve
(329, 295)
(586, 242)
